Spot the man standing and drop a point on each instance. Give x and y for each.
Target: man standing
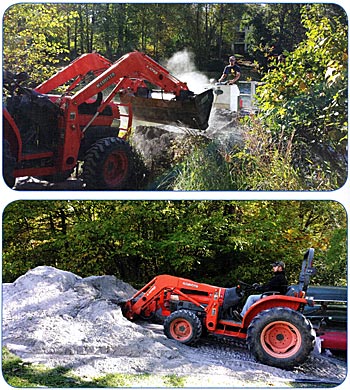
(232, 71)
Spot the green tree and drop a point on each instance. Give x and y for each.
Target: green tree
(273, 29)
(218, 242)
(34, 39)
(304, 97)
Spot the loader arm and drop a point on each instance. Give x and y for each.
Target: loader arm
(150, 297)
(125, 77)
(130, 72)
(133, 66)
(157, 294)
(77, 70)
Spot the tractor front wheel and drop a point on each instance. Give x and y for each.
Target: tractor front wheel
(108, 165)
(281, 337)
(183, 326)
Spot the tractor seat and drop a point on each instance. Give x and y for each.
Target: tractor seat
(292, 291)
(91, 108)
(272, 292)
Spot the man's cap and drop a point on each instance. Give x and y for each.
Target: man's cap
(232, 58)
(279, 263)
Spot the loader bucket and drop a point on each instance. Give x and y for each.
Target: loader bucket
(193, 112)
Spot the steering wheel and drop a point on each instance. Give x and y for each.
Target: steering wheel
(246, 286)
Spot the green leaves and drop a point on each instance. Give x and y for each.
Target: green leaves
(214, 241)
(33, 39)
(306, 94)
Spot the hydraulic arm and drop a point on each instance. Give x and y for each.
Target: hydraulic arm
(75, 72)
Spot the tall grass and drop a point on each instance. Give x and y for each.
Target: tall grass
(264, 163)
(259, 165)
(204, 169)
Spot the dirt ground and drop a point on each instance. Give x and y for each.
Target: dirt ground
(57, 318)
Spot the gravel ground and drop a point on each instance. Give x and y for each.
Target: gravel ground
(57, 318)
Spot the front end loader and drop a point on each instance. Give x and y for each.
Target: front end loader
(75, 116)
(275, 329)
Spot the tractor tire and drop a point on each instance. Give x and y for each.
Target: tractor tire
(281, 337)
(8, 164)
(108, 165)
(92, 135)
(183, 326)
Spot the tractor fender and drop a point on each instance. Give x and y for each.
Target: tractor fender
(269, 302)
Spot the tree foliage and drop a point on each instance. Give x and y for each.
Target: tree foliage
(44, 33)
(33, 39)
(273, 30)
(218, 242)
(304, 97)
(39, 36)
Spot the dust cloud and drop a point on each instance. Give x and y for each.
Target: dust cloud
(182, 66)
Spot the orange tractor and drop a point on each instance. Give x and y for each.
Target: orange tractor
(47, 134)
(275, 329)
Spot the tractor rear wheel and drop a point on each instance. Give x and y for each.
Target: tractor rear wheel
(280, 337)
(183, 326)
(108, 165)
